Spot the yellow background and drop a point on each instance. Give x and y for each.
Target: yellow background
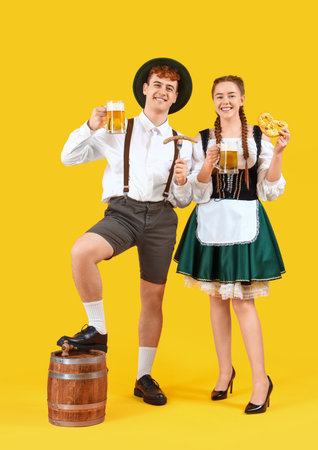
(61, 59)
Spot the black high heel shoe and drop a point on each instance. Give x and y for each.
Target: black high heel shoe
(256, 409)
(220, 395)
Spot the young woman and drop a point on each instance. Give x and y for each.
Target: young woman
(228, 247)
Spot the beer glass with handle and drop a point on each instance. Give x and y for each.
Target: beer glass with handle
(115, 117)
(228, 158)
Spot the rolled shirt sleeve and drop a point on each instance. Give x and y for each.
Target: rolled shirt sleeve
(182, 194)
(268, 190)
(81, 147)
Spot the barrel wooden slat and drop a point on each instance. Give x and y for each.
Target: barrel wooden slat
(67, 368)
(77, 402)
(79, 416)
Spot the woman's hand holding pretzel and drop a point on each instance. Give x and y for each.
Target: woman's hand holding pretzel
(282, 141)
(274, 171)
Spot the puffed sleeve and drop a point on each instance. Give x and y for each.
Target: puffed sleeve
(201, 192)
(268, 190)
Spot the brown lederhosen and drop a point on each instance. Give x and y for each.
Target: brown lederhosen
(151, 226)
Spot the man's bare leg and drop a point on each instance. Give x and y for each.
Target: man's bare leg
(150, 321)
(87, 252)
(150, 325)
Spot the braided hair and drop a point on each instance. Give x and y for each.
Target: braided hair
(217, 124)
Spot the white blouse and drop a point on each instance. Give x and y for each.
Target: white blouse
(266, 190)
(232, 221)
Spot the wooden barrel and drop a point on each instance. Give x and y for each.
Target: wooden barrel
(77, 388)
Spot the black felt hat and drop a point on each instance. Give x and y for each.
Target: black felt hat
(184, 84)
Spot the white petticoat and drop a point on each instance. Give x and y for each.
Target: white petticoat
(230, 290)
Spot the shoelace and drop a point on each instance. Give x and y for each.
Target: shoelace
(83, 329)
(150, 382)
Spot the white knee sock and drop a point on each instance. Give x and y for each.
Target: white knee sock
(96, 315)
(145, 360)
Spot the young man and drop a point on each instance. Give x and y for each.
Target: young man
(140, 210)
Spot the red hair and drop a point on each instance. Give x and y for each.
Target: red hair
(233, 79)
(164, 72)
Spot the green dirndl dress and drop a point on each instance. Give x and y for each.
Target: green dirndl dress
(241, 269)
(260, 260)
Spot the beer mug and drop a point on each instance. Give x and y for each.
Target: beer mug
(115, 117)
(228, 158)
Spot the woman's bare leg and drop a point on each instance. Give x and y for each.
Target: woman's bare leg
(221, 326)
(252, 336)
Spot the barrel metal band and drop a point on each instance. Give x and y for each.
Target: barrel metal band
(84, 423)
(77, 376)
(66, 407)
(77, 361)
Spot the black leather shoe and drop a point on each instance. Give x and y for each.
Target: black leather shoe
(256, 409)
(220, 395)
(87, 339)
(149, 389)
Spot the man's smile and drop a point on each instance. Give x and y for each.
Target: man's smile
(160, 99)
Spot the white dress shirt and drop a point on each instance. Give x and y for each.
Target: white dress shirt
(149, 161)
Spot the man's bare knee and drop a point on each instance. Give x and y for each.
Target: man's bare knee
(91, 247)
(151, 293)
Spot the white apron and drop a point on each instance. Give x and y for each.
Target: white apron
(227, 222)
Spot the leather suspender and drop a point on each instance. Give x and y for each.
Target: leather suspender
(126, 159)
(126, 154)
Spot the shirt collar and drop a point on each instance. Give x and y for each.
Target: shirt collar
(162, 130)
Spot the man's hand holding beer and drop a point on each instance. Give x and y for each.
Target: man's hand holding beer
(180, 171)
(98, 118)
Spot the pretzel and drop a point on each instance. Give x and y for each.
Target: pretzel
(176, 138)
(269, 126)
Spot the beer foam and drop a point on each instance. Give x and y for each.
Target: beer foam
(115, 106)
